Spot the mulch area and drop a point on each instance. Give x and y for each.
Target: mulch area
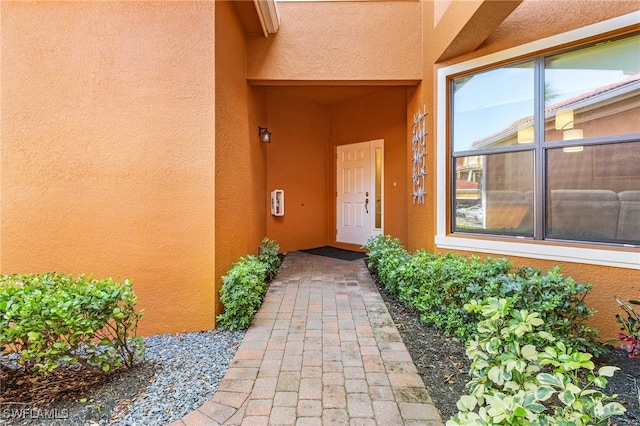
(443, 364)
(69, 396)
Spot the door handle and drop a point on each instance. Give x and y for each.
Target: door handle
(366, 204)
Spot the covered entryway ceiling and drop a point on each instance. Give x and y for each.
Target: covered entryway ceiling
(332, 73)
(261, 20)
(323, 94)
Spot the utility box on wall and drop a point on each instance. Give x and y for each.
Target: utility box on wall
(277, 202)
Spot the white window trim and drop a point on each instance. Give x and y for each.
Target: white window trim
(616, 257)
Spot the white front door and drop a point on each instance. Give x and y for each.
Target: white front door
(359, 191)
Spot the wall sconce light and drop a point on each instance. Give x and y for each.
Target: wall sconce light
(564, 119)
(265, 134)
(525, 135)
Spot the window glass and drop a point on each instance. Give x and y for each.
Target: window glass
(494, 193)
(593, 193)
(593, 92)
(494, 108)
(587, 180)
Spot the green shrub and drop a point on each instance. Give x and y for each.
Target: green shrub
(245, 284)
(269, 256)
(438, 287)
(449, 281)
(386, 255)
(377, 247)
(53, 319)
(516, 384)
(557, 299)
(412, 274)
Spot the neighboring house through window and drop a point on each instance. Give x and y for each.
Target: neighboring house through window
(544, 153)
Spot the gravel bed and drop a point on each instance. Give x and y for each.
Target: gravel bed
(191, 368)
(180, 372)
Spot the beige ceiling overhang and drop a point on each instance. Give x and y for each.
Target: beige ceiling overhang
(480, 18)
(340, 43)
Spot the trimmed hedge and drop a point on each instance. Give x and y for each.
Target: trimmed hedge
(54, 319)
(438, 287)
(245, 285)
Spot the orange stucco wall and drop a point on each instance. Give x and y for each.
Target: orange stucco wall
(297, 164)
(240, 170)
(354, 41)
(558, 16)
(107, 135)
(421, 218)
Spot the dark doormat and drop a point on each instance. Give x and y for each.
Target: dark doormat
(336, 253)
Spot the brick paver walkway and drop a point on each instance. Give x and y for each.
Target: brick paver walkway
(322, 350)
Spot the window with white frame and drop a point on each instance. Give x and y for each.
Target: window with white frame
(549, 148)
(505, 177)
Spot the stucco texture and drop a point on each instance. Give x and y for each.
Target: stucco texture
(107, 149)
(297, 164)
(421, 217)
(240, 168)
(340, 41)
(536, 19)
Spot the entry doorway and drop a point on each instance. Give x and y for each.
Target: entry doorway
(359, 191)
